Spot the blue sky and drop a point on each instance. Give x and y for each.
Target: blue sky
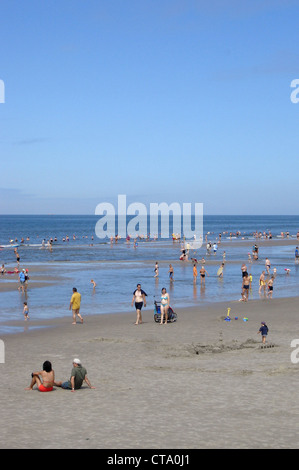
(164, 101)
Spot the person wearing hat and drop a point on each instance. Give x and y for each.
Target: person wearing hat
(78, 376)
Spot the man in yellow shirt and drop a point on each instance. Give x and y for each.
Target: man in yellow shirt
(75, 305)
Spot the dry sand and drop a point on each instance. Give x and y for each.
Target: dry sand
(198, 383)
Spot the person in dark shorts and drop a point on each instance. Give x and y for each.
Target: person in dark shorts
(171, 273)
(245, 287)
(270, 287)
(203, 273)
(140, 300)
(263, 331)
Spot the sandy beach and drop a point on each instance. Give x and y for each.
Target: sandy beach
(201, 382)
(149, 159)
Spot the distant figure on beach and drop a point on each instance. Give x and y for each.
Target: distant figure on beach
(171, 273)
(22, 281)
(194, 273)
(244, 269)
(164, 306)
(262, 283)
(245, 287)
(184, 255)
(296, 255)
(78, 376)
(26, 311)
(215, 248)
(268, 265)
(3, 270)
(270, 287)
(203, 273)
(93, 284)
(44, 379)
(140, 300)
(220, 270)
(156, 269)
(263, 331)
(17, 256)
(26, 272)
(75, 304)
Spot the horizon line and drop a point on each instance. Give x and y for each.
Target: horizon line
(134, 215)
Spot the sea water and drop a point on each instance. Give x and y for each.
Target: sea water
(117, 268)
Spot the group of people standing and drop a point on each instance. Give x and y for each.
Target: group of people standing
(139, 298)
(264, 282)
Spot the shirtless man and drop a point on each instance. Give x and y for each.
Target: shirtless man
(245, 287)
(203, 273)
(244, 269)
(268, 265)
(44, 379)
(270, 287)
(171, 273)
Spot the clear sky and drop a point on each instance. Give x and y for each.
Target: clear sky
(161, 100)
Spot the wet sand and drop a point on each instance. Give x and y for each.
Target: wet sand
(39, 276)
(201, 382)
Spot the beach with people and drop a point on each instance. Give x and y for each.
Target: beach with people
(146, 303)
(204, 379)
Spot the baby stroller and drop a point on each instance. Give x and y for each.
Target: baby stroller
(171, 317)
